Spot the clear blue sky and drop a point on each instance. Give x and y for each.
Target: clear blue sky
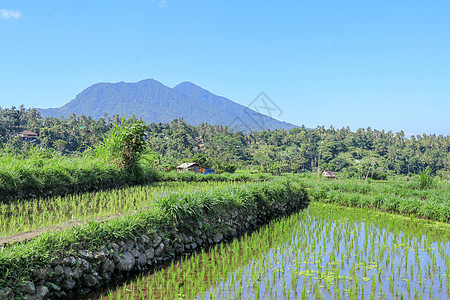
(384, 64)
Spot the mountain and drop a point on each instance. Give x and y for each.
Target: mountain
(155, 102)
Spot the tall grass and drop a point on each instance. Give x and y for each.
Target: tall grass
(191, 177)
(123, 145)
(425, 179)
(32, 178)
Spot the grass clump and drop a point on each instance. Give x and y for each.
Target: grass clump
(123, 145)
(425, 179)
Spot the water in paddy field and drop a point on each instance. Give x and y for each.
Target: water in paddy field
(324, 252)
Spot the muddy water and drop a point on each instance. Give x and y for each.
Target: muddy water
(324, 252)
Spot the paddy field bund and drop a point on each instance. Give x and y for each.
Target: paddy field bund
(80, 259)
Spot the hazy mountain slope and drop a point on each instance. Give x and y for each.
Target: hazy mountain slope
(155, 102)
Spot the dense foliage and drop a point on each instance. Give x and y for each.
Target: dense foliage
(64, 135)
(363, 153)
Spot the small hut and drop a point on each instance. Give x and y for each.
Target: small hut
(329, 174)
(26, 134)
(192, 167)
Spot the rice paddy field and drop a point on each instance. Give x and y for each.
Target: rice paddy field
(26, 215)
(324, 252)
(380, 240)
(399, 195)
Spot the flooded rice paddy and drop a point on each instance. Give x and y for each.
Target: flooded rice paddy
(324, 252)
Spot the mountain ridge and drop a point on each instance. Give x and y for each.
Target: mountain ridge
(153, 101)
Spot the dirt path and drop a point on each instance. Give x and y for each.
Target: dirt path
(29, 235)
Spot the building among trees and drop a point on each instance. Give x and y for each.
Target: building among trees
(27, 135)
(329, 174)
(193, 167)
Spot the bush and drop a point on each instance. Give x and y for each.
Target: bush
(377, 175)
(228, 168)
(124, 144)
(425, 179)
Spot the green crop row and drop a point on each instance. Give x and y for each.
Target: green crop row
(30, 214)
(34, 177)
(197, 177)
(30, 178)
(392, 196)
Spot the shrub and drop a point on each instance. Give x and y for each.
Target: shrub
(124, 144)
(425, 179)
(377, 175)
(228, 168)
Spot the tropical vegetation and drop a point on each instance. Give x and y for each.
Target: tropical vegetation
(364, 153)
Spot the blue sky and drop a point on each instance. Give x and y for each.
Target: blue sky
(384, 64)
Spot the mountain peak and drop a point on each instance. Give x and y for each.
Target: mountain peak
(148, 81)
(189, 87)
(186, 84)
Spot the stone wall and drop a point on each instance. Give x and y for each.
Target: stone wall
(84, 271)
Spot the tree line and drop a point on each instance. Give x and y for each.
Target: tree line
(364, 152)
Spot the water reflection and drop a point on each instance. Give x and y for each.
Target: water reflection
(324, 252)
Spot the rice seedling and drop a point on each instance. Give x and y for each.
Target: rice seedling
(320, 253)
(19, 259)
(392, 196)
(25, 215)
